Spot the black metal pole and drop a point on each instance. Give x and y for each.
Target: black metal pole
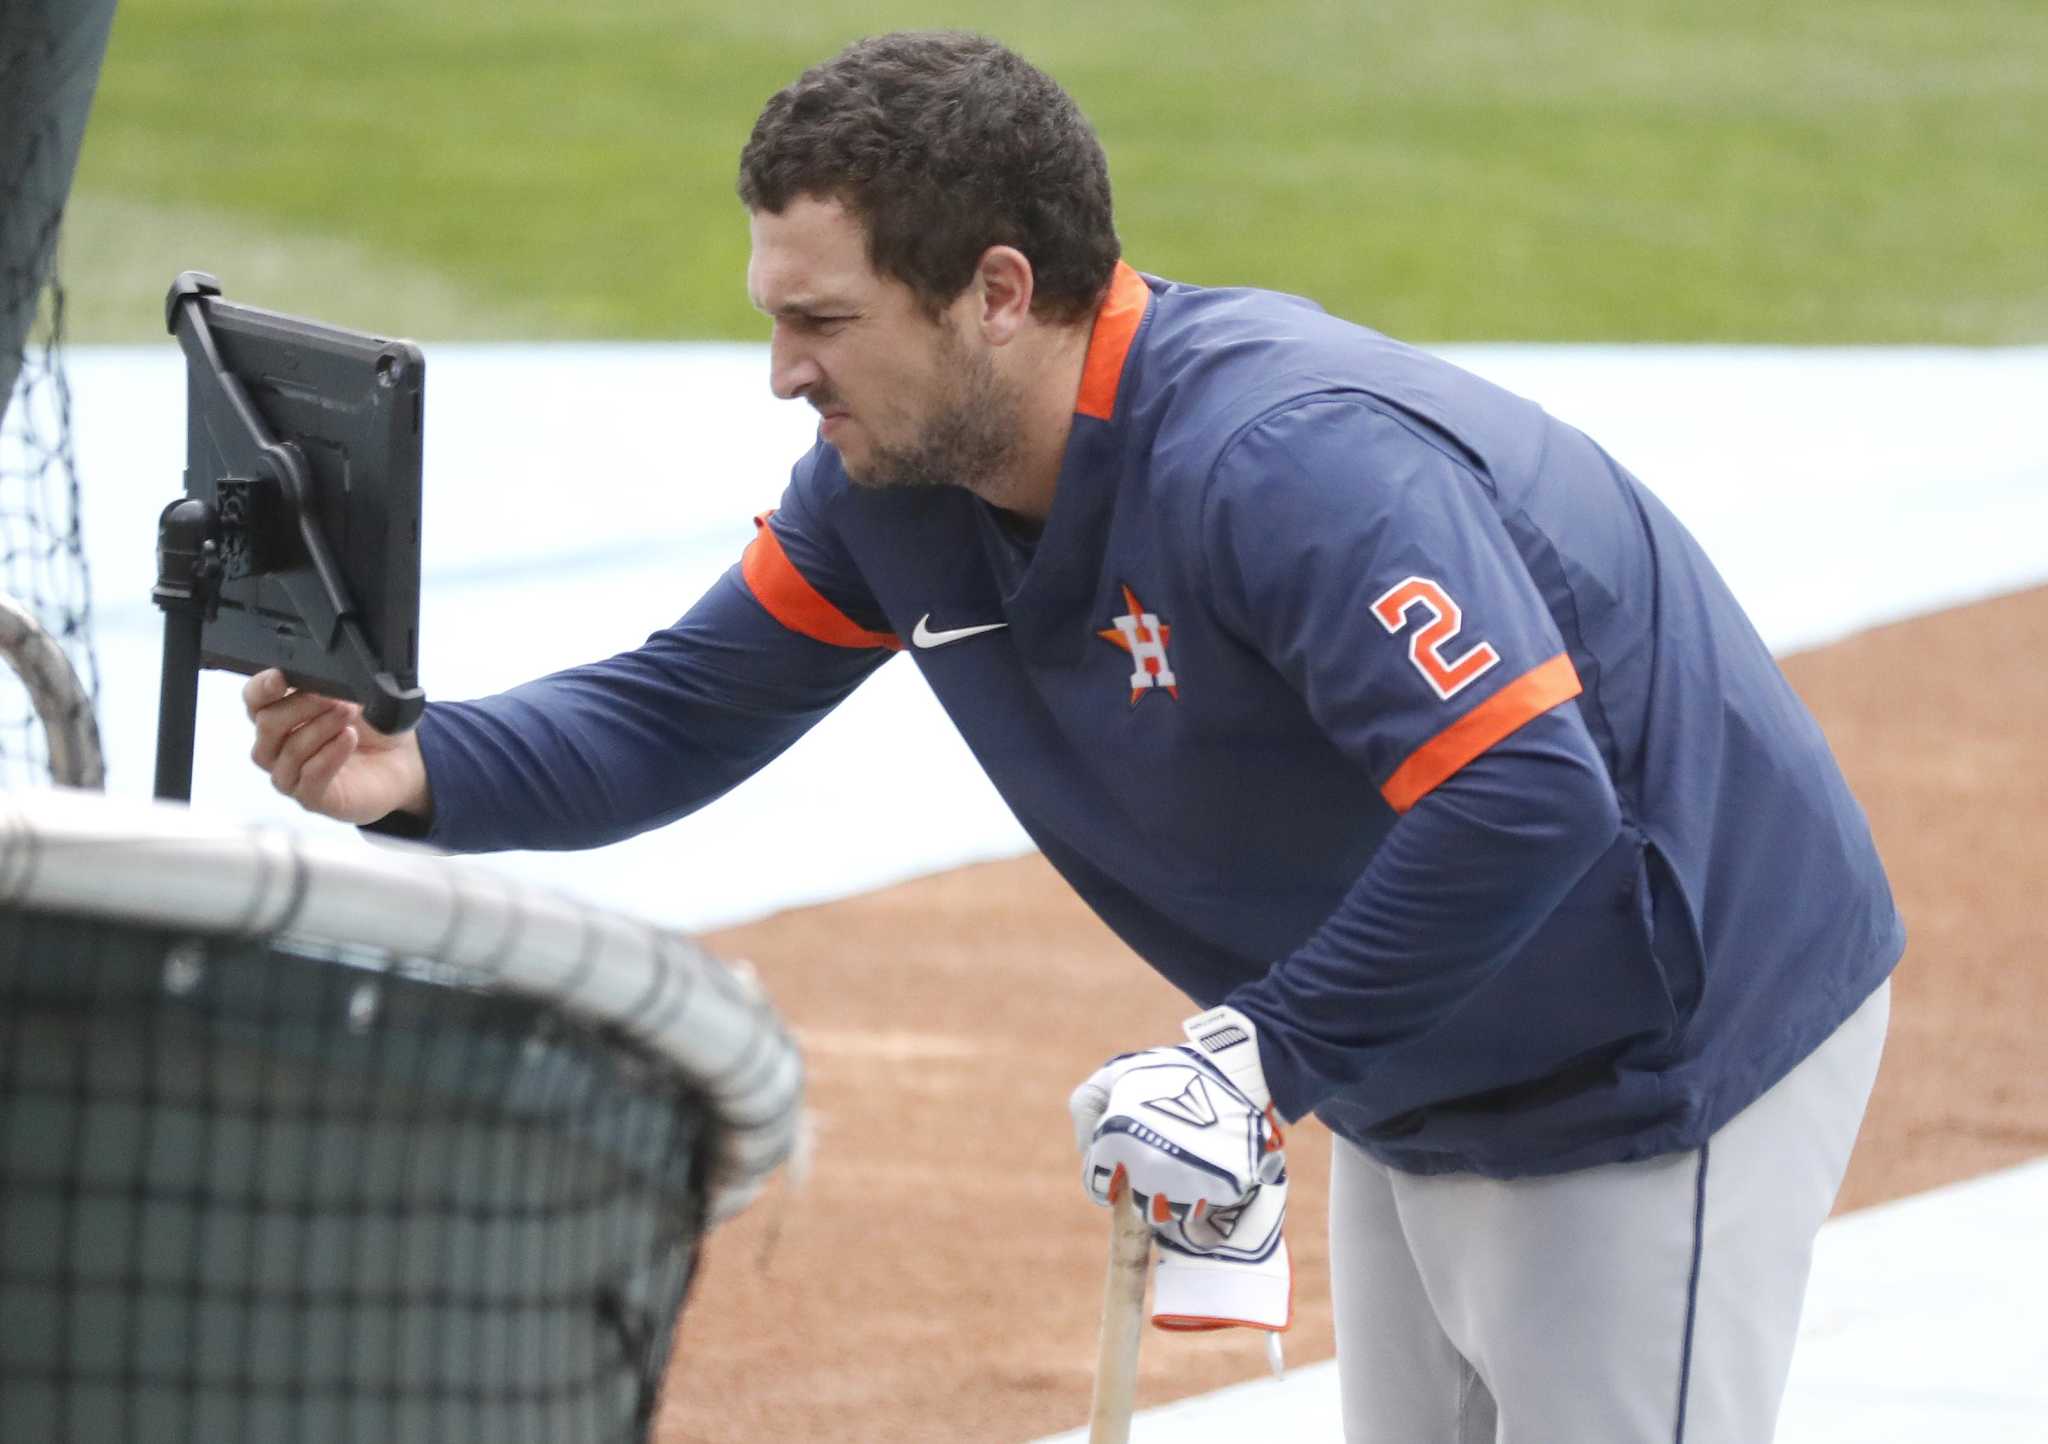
(177, 708)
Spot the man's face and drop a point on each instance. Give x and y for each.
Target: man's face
(905, 399)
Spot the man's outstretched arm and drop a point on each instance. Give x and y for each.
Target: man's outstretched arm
(575, 759)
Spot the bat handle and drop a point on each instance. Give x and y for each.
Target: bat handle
(1123, 1320)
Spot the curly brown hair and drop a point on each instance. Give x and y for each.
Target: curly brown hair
(944, 143)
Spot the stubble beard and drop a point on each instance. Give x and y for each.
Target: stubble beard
(968, 441)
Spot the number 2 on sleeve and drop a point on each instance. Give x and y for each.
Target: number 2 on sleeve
(1426, 646)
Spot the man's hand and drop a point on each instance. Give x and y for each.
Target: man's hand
(1192, 1145)
(320, 753)
(1192, 1132)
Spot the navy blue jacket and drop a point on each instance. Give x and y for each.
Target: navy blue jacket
(1347, 688)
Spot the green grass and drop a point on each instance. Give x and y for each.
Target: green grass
(1752, 170)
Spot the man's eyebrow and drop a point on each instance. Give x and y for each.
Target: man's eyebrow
(804, 306)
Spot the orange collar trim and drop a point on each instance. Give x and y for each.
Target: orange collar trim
(1116, 325)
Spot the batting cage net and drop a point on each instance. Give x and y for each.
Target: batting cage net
(42, 559)
(305, 1141)
(50, 55)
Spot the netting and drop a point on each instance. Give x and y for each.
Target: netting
(251, 1193)
(260, 1185)
(49, 58)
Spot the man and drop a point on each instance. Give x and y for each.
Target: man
(1385, 715)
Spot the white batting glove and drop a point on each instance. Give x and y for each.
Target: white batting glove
(1179, 1125)
(1191, 1131)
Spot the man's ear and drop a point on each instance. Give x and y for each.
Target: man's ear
(1004, 285)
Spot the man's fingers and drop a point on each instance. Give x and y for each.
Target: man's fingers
(278, 722)
(320, 769)
(302, 744)
(264, 688)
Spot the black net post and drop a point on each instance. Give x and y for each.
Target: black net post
(187, 573)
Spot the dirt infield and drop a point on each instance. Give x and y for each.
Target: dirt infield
(937, 1277)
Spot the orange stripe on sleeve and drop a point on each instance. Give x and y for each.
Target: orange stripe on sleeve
(777, 585)
(1116, 325)
(1529, 695)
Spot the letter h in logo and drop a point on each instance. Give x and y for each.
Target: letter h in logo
(1144, 636)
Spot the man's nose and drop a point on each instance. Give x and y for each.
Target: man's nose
(791, 371)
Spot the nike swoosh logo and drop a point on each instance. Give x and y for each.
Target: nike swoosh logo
(924, 636)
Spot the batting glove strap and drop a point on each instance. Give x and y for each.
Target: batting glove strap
(1230, 1040)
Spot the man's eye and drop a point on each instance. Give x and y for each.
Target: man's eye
(810, 325)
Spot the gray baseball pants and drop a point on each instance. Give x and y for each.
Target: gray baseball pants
(1653, 1302)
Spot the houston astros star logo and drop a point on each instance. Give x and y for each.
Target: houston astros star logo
(1144, 636)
